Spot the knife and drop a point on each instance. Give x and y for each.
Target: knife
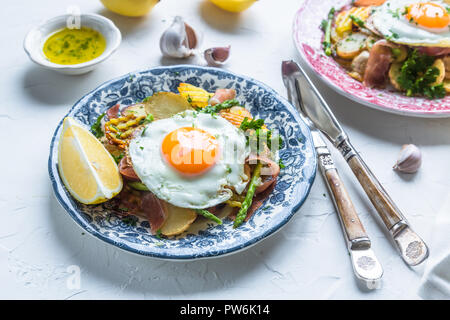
(365, 264)
(411, 247)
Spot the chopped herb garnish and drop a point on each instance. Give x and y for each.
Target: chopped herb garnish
(143, 131)
(252, 124)
(149, 118)
(129, 220)
(357, 21)
(118, 158)
(418, 74)
(96, 128)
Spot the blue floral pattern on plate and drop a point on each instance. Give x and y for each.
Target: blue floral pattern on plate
(291, 190)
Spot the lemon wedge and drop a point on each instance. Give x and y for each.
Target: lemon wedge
(87, 169)
(233, 5)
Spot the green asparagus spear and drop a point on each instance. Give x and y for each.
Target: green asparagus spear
(208, 215)
(328, 25)
(138, 186)
(240, 217)
(220, 106)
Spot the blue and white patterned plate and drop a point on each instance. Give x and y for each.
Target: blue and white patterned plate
(209, 240)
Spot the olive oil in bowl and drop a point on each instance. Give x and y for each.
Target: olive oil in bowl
(74, 46)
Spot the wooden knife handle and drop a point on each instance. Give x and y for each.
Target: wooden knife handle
(348, 215)
(384, 205)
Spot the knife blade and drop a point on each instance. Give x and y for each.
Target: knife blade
(365, 264)
(411, 247)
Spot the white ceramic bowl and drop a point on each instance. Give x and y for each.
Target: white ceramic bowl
(34, 42)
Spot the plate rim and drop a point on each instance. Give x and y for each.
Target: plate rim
(185, 257)
(337, 89)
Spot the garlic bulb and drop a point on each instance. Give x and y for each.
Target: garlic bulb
(217, 56)
(180, 40)
(409, 160)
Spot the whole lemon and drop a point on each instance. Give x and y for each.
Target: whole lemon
(130, 8)
(233, 5)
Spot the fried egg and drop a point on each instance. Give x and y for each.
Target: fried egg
(191, 160)
(413, 22)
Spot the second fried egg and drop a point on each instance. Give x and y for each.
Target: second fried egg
(413, 22)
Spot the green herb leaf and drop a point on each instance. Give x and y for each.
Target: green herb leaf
(149, 118)
(357, 21)
(417, 76)
(118, 158)
(96, 128)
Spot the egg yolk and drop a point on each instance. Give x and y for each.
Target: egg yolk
(428, 15)
(191, 151)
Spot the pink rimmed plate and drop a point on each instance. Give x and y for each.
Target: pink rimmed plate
(308, 39)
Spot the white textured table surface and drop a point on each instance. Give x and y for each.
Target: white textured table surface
(307, 259)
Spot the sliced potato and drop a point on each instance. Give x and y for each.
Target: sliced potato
(359, 63)
(178, 220)
(439, 63)
(136, 109)
(446, 60)
(163, 105)
(400, 54)
(394, 73)
(446, 84)
(370, 41)
(334, 36)
(351, 46)
(356, 75)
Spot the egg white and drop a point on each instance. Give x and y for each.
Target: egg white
(389, 19)
(197, 192)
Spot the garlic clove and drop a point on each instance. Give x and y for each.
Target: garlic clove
(217, 56)
(180, 40)
(409, 159)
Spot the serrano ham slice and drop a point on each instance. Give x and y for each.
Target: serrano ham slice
(155, 210)
(377, 67)
(143, 204)
(113, 112)
(126, 169)
(222, 95)
(269, 173)
(434, 51)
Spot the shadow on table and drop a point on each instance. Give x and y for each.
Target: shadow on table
(126, 25)
(51, 88)
(220, 19)
(149, 277)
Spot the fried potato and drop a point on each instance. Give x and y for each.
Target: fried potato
(178, 220)
(197, 97)
(439, 64)
(400, 54)
(163, 105)
(351, 46)
(137, 109)
(394, 73)
(446, 84)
